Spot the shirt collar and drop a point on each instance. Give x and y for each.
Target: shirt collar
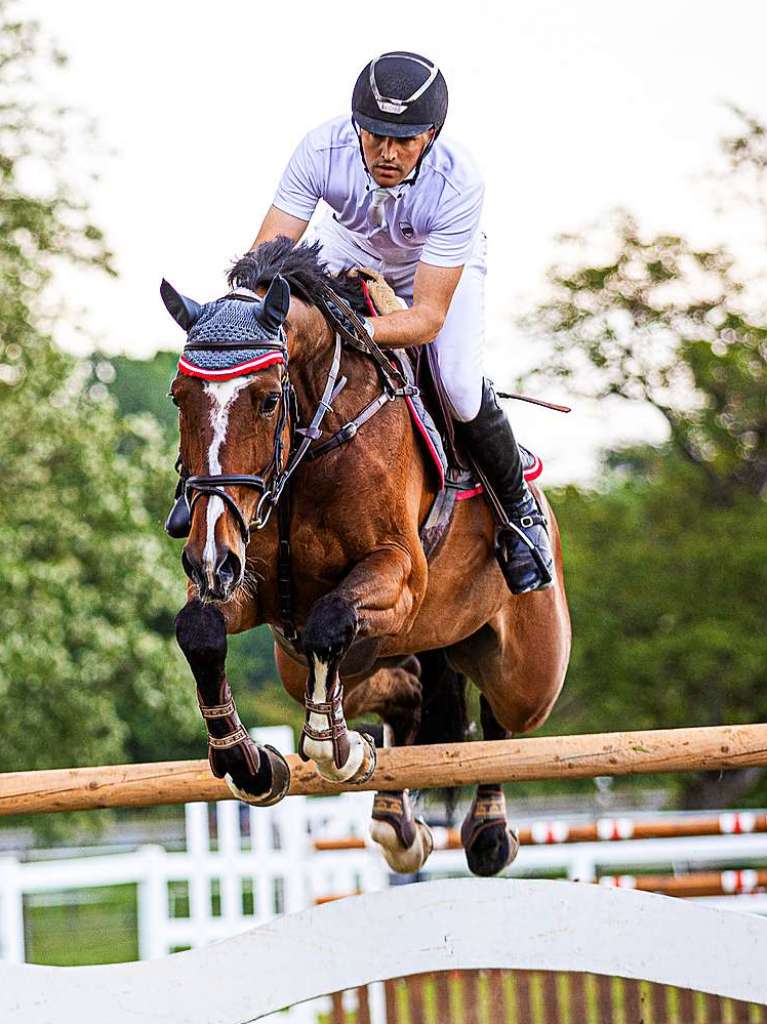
(397, 191)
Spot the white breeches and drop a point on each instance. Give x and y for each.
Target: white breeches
(460, 342)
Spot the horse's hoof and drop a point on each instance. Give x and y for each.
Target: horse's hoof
(489, 843)
(278, 789)
(368, 762)
(491, 847)
(359, 766)
(403, 861)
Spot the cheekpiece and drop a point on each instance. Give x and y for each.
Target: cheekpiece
(221, 326)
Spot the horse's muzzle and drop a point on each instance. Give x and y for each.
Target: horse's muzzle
(214, 582)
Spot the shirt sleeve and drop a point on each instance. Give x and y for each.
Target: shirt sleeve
(303, 182)
(450, 241)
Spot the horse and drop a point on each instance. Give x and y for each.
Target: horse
(363, 622)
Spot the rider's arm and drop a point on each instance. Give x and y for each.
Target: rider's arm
(277, 222)
(433, 289)
(449, 244)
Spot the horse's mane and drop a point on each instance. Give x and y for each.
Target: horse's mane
(301, 265)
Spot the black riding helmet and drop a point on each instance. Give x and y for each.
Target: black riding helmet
(400, 94)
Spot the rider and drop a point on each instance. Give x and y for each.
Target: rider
(407, 204)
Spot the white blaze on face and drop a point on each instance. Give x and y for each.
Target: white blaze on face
(221, 396)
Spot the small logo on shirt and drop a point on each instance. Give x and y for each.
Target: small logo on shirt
(406, 229)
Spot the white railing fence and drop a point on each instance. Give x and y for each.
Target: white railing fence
(465, 924)
(243, 866)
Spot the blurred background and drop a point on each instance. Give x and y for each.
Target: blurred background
(625, 157)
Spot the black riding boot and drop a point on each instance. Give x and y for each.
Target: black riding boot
(522, 548)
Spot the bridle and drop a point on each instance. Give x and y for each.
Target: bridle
(273, 479)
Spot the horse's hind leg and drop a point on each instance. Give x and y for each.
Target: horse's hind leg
(258, 775)
(518, 660)
(395, 695)
(489, 843)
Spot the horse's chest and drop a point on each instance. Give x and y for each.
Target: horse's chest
(322, 548)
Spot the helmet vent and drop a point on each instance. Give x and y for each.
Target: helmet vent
(391, 104)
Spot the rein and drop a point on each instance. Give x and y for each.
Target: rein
(273, 480)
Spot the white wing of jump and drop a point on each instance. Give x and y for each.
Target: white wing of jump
(435, 926)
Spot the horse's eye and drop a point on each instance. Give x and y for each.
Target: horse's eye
(269, 403)
(173, 398)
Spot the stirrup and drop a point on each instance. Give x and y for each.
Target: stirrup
(514, 548)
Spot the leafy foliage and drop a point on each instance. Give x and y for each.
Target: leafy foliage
(89, 671)
(141, 386)
(659, 321)
(666, 564)
(666, 609)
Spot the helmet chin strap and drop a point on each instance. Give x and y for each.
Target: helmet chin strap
(412, 176)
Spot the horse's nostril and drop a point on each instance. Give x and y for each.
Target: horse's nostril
(229, 568)
(192, 568)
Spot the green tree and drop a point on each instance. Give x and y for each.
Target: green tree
(666, 562)
(660, 321)
(667, 592)
(89, 671)
(141, 386)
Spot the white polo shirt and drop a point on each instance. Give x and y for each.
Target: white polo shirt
(435, 220)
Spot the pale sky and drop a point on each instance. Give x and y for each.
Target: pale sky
(569, 109)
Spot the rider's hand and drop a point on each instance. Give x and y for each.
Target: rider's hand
(384, 298)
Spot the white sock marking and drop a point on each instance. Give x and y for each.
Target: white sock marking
(319, 694)
(321, 751)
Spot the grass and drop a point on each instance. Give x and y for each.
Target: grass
(82, 926)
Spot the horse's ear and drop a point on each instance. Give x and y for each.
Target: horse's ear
(276, 303)
(186, 312)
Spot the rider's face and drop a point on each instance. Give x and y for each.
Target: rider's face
(390, 160)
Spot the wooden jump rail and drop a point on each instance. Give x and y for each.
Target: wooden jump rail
(560, 833)
(712, 748)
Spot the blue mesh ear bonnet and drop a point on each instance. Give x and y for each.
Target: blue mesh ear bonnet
(226, 322)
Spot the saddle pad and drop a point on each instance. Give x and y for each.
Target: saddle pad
(422, 420)
(531, 464)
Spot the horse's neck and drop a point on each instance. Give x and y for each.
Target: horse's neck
(310, 365)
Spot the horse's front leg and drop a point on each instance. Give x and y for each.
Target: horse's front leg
(258, 775)
(375, 599)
